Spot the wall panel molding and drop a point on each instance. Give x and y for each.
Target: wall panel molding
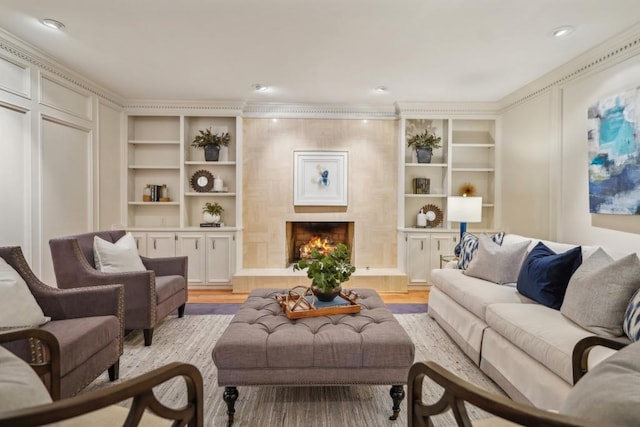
(64, 97)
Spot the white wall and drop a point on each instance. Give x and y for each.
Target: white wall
(576, 224)
(525, 161)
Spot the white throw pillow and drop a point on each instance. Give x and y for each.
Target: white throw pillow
(496, 263)
(20, 386)
(18, 307)
(119, 257)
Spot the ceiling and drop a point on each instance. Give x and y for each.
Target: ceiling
(316, 51)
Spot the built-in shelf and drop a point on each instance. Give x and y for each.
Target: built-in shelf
(136, 141)
(422, 196)
(172, 203)
(154, 167)
(205, 163)
(472, 170)
(472, 145)
(210, 194)
(427, 165)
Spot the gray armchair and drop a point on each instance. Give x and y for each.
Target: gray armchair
(149, 295)
(83, 338)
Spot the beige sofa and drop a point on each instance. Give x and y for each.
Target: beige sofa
(525, 347)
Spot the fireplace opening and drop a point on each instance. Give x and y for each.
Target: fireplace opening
(302, 237)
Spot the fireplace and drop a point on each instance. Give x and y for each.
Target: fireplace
(300, 233)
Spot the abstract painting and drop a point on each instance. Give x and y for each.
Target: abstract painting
(320, 178)
(614, 155)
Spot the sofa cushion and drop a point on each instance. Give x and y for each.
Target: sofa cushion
(469, 246)
(119, 257)
(82, 338)
(495, 263)
(473, 294)
(604, 286)
(20, 386)
(18, 307)
(168, 286)
(631, 324)
(544, 334)
(609, 393)
(544, 274)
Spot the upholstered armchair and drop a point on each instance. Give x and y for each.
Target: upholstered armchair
(149, 295)
(82, 339)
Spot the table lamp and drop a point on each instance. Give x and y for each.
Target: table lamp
(464, 209)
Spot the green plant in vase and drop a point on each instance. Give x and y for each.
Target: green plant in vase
(424, 143)
(211, 143)
(211, 212)
(327, 272)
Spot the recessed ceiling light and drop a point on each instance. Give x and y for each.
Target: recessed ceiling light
(260, 87)
(563, 31)
(382, 89)
(52, 23)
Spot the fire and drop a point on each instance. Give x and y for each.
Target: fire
(320, 244)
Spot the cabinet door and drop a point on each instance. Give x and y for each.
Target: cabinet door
(442, 244)
(417, 259)
(141, 242)
(192, 245)
(161, 245)
(219, 259)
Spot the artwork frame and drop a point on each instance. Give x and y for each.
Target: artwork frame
(614, 153)
(320, 178)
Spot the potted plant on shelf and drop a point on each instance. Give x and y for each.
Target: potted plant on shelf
(327, 272)
(424, 143)
(211, 143)
(211, 212)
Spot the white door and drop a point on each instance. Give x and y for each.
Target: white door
(160, 245)
(417, 259)
(141, 242)
(192, 245)
(219, 259)
(442, 244)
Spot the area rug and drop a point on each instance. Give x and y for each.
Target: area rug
(191, 340)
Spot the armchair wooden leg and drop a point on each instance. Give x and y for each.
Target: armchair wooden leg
(181, 310)
(148, 336)
(114, 371)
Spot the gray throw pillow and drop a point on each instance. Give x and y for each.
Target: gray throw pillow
(599, 291)
(495, 263)
(609, 392)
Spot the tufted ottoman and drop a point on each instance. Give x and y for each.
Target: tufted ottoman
(262, 346)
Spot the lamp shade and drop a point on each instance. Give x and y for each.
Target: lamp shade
(464, 209)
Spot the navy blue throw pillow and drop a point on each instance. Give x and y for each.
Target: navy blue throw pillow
(544, 275)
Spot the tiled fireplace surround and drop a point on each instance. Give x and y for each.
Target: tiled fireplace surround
(268, 199)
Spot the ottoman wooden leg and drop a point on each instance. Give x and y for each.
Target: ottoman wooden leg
(230, 396)
(397, 394)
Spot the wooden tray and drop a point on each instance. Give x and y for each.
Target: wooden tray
(322, 309)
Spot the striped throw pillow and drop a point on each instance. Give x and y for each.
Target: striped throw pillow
(631, 323)
(469, 246)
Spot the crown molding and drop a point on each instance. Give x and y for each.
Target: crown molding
(613, 51)
(204, 108)
(410, 109)
(23, 51)
(324, 111)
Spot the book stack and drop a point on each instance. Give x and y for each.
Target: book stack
(211, 224)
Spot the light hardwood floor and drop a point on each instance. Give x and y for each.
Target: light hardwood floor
(228, 297)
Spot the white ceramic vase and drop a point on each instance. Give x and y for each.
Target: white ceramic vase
(211, 218)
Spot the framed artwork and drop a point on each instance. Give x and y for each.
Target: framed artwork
(320, 178)
(614, 154)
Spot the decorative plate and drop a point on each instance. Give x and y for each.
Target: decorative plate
(434, 215)
(202, 181)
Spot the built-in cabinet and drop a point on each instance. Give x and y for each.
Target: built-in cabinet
(467, 157)
(159, 152)
(423, 251)
(211, 254)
